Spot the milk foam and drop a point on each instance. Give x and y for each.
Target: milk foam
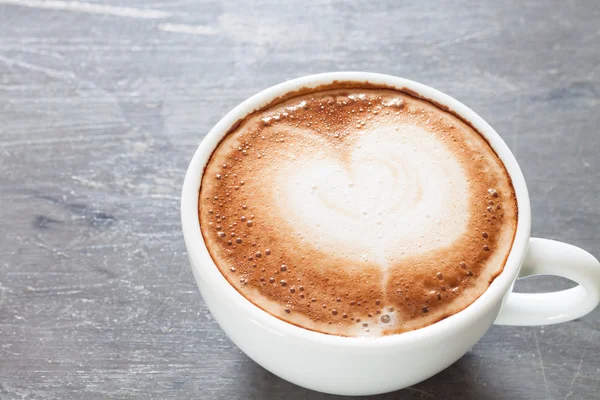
(357, 211)
(401, 192)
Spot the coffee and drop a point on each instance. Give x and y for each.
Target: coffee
(357, 210)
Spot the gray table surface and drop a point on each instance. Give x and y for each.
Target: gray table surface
(103, 104)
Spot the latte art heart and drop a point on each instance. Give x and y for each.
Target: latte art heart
(384, 202)
(357, 211)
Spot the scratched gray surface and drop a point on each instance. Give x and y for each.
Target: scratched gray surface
(101, 108)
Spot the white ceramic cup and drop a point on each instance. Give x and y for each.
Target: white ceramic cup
(361, 366)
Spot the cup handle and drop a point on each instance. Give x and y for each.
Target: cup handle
(549, 257)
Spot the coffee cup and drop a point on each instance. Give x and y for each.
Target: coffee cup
(365, 365)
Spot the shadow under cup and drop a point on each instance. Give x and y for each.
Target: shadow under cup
(362, 366)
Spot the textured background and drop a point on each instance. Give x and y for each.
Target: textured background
(103, 104)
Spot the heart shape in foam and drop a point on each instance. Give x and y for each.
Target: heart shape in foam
(399, 192)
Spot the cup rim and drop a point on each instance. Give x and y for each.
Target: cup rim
(204, 267)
